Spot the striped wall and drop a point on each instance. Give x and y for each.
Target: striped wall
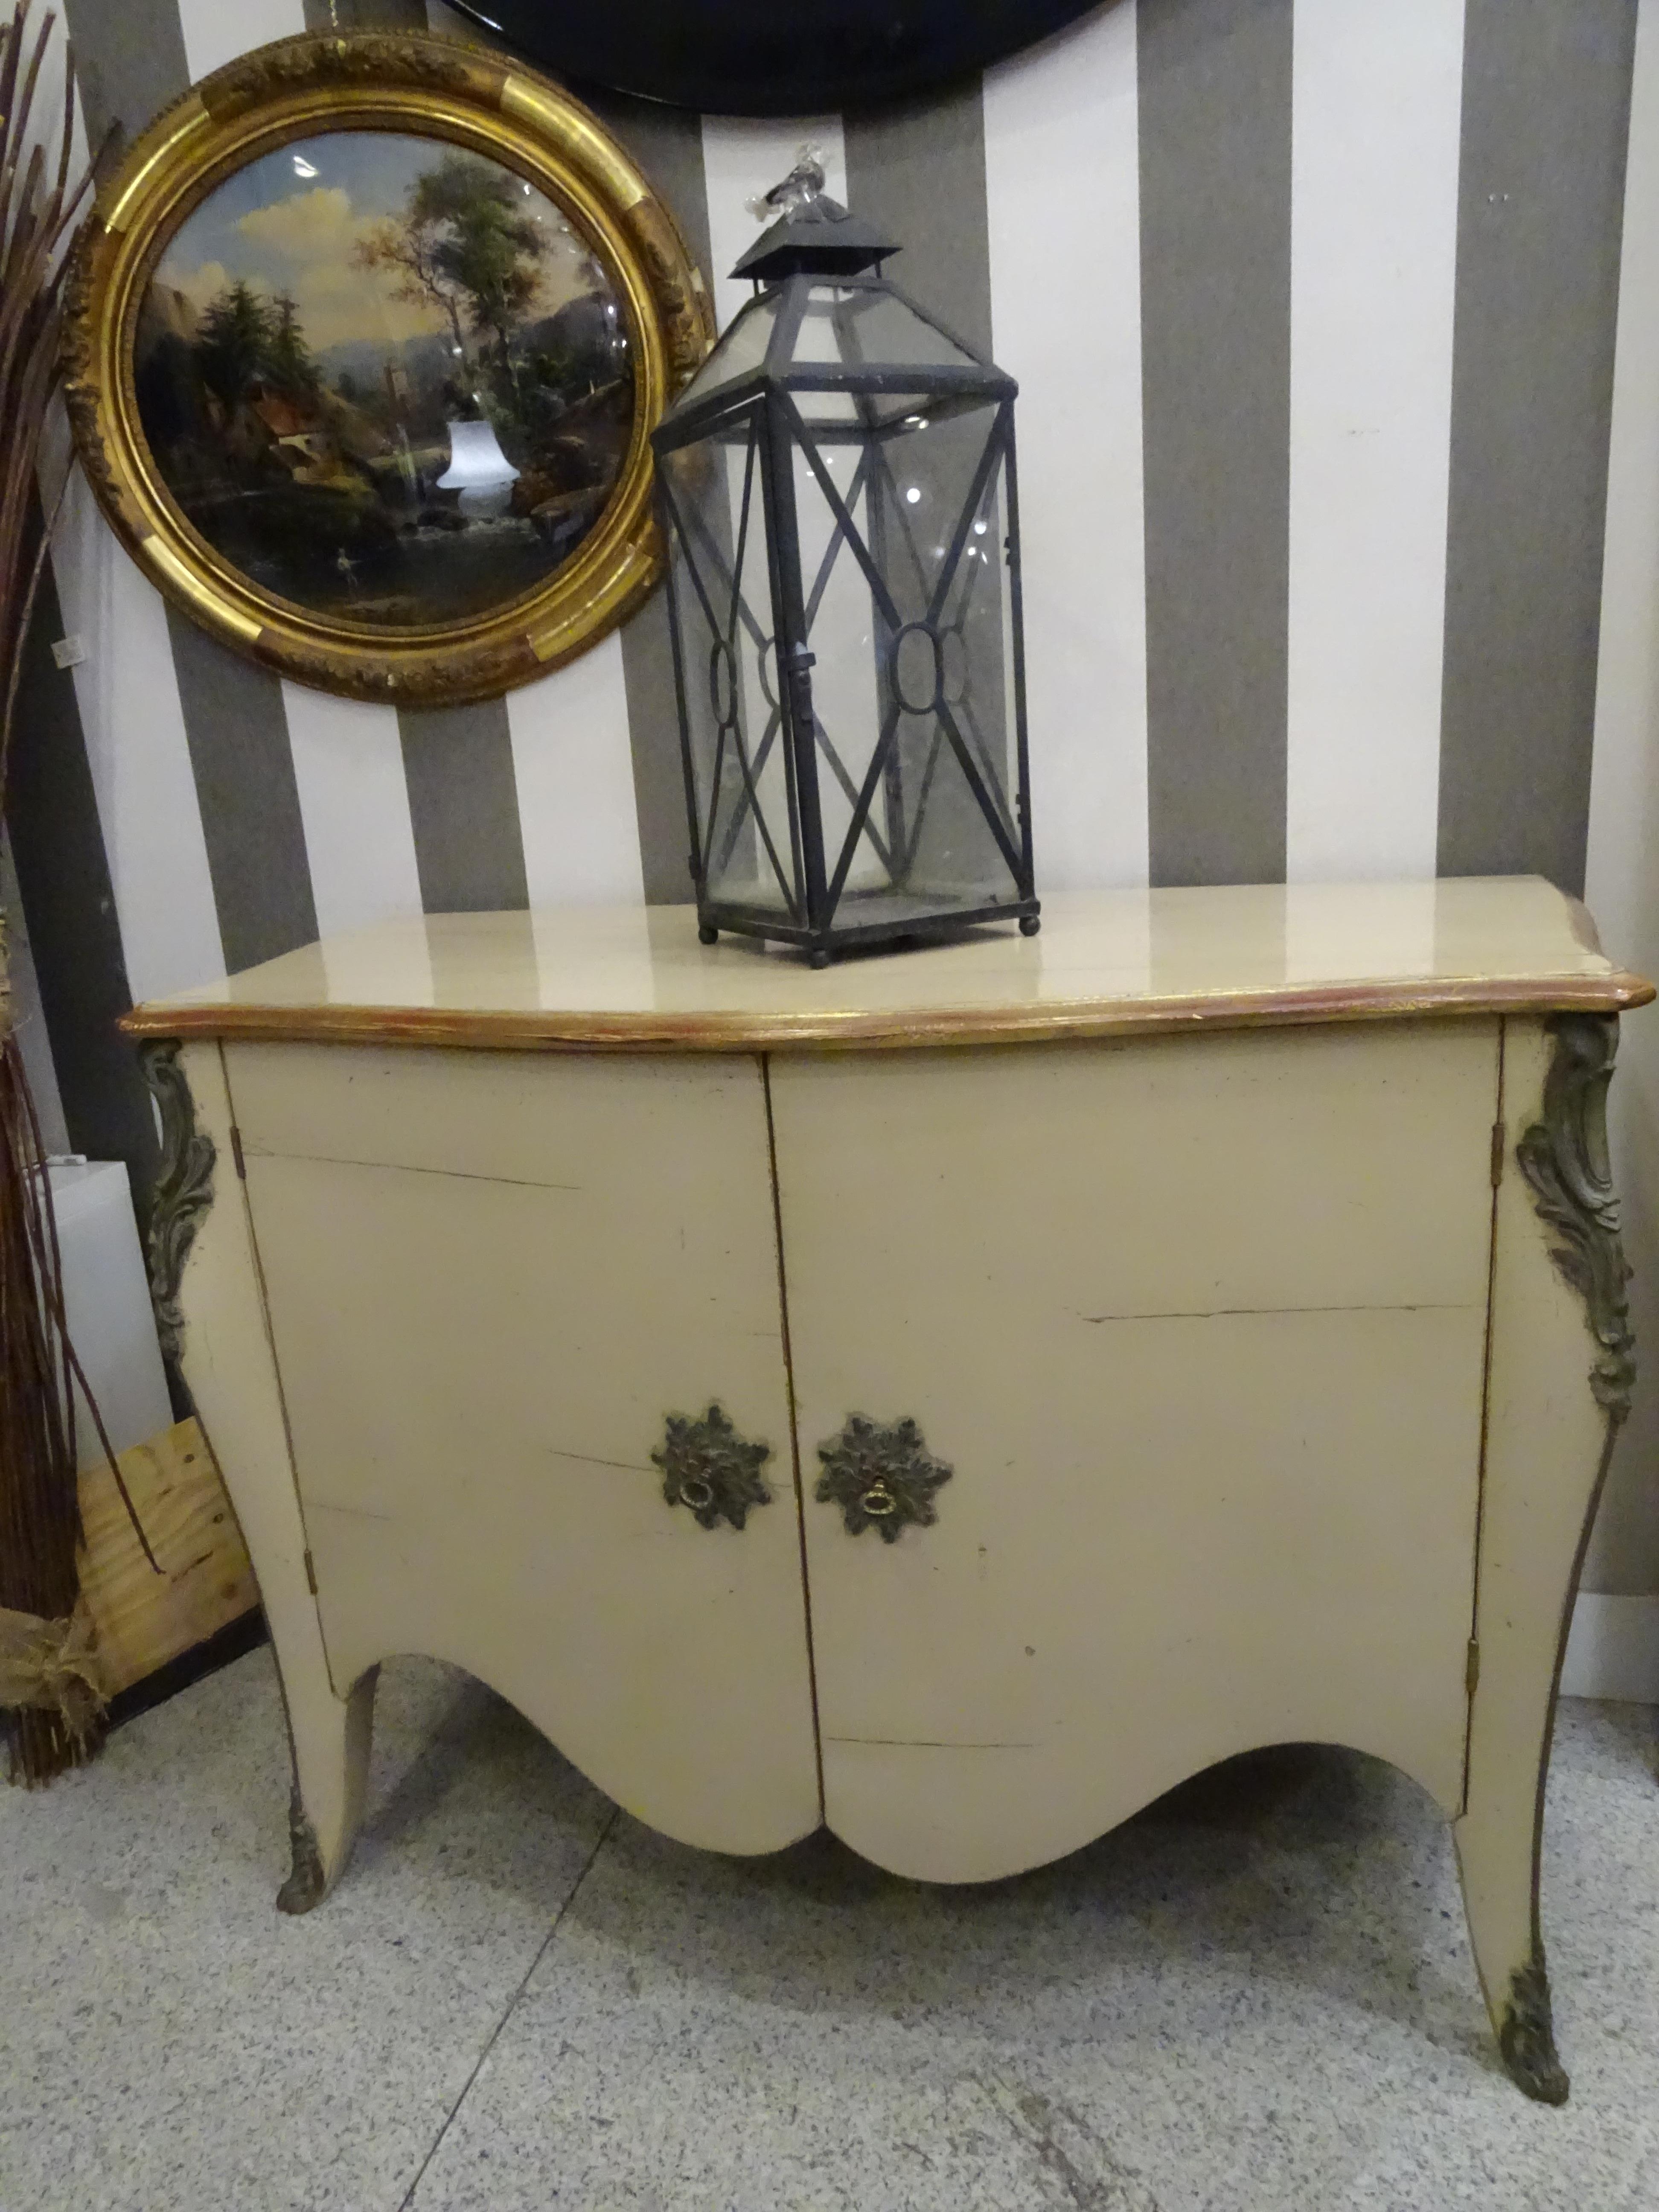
(1315, 305)
(1622, 864)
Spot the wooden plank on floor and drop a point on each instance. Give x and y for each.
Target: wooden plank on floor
(144, 1620)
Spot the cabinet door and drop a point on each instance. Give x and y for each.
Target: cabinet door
(492, 1277)
(1198, 1325)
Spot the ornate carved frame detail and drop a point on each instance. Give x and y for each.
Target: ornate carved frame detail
(1566, 1163)
(182, 1191)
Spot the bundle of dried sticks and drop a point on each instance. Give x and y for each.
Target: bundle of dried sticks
(49, 1704)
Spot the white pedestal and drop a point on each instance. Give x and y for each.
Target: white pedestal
(106, 1300)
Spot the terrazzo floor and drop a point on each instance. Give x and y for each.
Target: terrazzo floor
(1258, 1994)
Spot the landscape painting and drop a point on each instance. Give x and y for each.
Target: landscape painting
(386, 377)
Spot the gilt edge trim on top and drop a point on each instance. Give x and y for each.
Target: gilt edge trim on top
(746, 1030)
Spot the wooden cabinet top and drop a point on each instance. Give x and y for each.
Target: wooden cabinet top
(1106, 964)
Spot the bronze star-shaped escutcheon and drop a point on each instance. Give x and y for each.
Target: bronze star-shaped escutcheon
(881, 1475)
(707, 1467)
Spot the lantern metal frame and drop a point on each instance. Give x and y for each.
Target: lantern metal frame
(763, 402)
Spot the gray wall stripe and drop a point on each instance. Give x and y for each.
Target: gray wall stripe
(653, 738)
(464, 807)
(1546, 118)
(1215, 245)
(130, 57)
(236, 727)
(921, 168)
(63, 874)
(667, 144)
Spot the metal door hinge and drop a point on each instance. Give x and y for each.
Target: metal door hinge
(1497, 1151)
(236, 1151)
(311, 1577)
(1472, 1669)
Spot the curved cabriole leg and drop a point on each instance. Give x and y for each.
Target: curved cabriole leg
(1499, 1890)
(204, 1278)
(1555, 1404)
(331, 1774)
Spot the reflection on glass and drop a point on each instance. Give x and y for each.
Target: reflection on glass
(385, 377)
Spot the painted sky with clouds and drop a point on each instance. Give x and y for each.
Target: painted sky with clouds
(282, 230)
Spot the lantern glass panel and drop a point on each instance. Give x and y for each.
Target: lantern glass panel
(840, 634)
(859, 326)
(722, 611)
(912, 681)
(739, 352)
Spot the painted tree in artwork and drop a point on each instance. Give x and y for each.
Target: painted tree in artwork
(407, 251)
(231, 347)
(286, 358)
(245, 337)
(466, 245)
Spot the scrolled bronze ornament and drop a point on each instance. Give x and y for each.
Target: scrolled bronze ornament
(183, 1189)
(882, 1476)
(1526, 2037)
(1565, 1160)
(711, 1470)
(307, 1884)
(364, 343)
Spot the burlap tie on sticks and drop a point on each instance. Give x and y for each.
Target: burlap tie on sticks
(51, 1667)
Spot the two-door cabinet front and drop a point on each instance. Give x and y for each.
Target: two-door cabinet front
(952, 1398)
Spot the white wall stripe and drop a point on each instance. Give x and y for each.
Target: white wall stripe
(354, 803)
(1621, 881)
(574, 770)
(743, 156)
(1063, 209)
(134, 728)
(1377, 96)
(217, 31)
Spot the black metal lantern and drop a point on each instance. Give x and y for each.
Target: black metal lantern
(838, 499)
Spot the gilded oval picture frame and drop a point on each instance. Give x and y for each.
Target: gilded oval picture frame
(365, 339)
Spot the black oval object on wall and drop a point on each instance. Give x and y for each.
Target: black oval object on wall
(769, 57)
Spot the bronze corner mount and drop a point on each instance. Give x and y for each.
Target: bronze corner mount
(183, 1190)
(1565, 1160)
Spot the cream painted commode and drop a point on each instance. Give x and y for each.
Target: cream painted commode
(953, 1397)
